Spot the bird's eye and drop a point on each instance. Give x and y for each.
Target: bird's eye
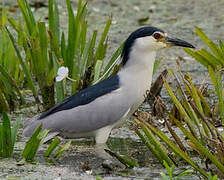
(156, 35)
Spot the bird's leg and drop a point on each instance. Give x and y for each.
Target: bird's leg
(108, 161)
(102, 134)
(99, 151)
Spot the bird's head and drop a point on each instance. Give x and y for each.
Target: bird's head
(149, 39)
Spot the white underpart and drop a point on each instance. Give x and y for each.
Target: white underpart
(135, 79)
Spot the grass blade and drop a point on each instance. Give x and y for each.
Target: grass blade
(201, 147)
(217, 81)
(149, 146)
(198, 57)
(215, 49)
(12, 82)
(124, 160)
(176, 149)
(25, 67)
(43, 49)
(97, 70)
(59, 152)
(180, 107)
(112, 60)
(157, 145)
(52, 146)
(185, 173)
(15, 129)
(7, 146)
(101, 48)
(27, 15)
(33, 143)
(1, 139)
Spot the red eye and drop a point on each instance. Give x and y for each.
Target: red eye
(156, 35)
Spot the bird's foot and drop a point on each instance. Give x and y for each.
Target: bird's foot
(110, 163)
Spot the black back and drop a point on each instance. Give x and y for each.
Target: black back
(85, 96)
(141, 32)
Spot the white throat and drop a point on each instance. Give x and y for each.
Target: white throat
(136, 75)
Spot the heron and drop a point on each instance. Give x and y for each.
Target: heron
(96, 110)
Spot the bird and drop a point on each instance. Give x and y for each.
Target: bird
(96, 110)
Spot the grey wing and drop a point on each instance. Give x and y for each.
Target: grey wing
(103, 111)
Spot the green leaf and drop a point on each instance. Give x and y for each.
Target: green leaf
(212, 60)
(97, 70)
(3, 102)
(217, 82)
(197, 100)
(59, 152)
(4, 17)
(33, 143)
(157, 146)
(163, 176)
(149, 146)
(169, 171)
(53, 15)
(215, 49)
(63, 47)
(12, 82)
(112, 62)
(197, 56)
(180, 108)
(185, 173)
(87, 54)
(99, 55)
(176, 149)
(7, 146)
(71, 37)
(91, 49)
(25, 67)
(27, 15)
(51, 147)
(15, 129)
(155, 66)
(124, 160)
(200, 147)
(43, 61)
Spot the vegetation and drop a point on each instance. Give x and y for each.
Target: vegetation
(37, 50)
(193, 116)
(40, 48)
(170, 172)
(214, 61)
(8, 136)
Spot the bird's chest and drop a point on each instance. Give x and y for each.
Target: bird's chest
(138, 88)
(136, 93)
(135, 84)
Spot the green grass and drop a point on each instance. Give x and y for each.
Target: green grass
(8, 135)
(170, 172)
(213, 60)
(39, 50)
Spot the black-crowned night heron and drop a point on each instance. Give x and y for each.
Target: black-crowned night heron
(94, 111)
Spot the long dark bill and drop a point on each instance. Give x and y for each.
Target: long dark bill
(172, 41)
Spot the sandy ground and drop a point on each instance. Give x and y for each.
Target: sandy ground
(176, 17)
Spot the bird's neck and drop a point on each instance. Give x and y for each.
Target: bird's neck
(136, 75)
